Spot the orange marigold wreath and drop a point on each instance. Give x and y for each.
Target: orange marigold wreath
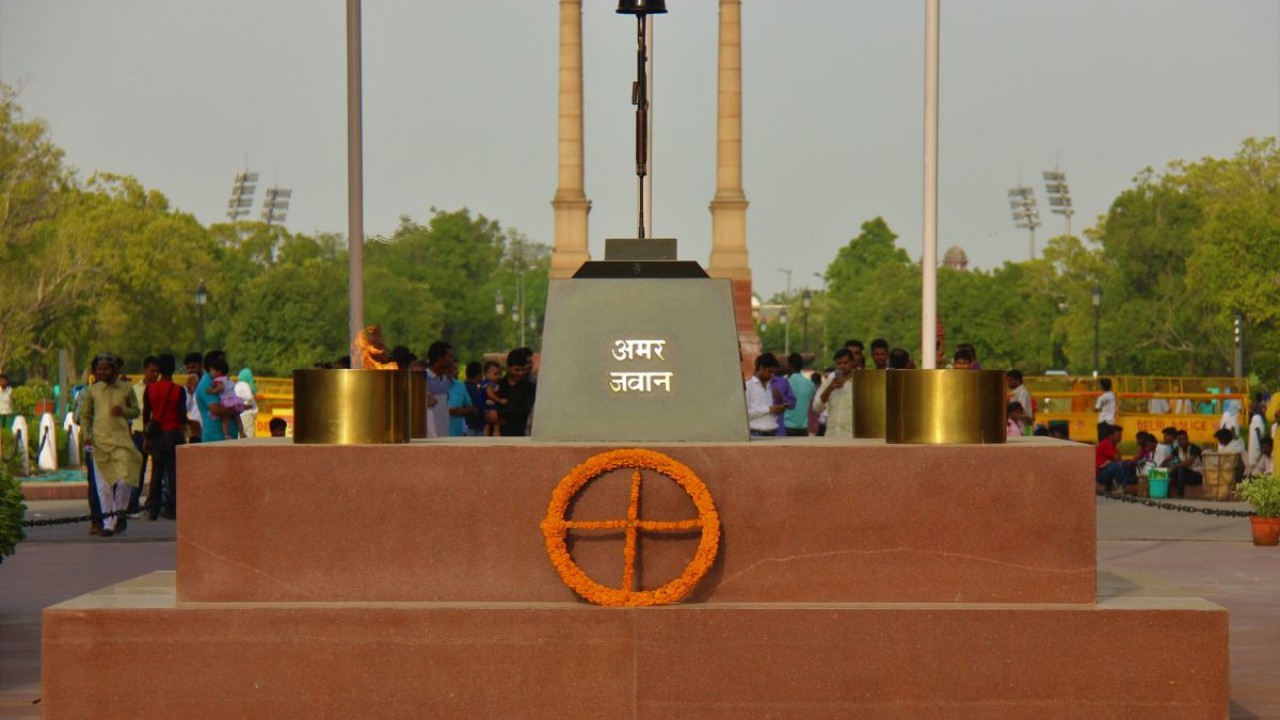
(555, 528)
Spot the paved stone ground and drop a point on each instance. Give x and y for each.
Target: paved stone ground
(1209, 556)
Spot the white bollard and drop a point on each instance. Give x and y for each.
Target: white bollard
(47, 457)
(73, 440)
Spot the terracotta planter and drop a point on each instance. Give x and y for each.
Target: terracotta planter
(1266, 530)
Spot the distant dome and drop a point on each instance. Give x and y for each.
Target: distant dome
(955, 258)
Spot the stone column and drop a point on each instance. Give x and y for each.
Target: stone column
(570, 203)
(729, 206)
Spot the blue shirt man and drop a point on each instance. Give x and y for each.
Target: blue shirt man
(459, 399)
(796, 418)
(210, 426)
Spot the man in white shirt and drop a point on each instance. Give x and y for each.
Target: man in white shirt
(836, 397)
(762, 412)
(1106, 407)
(1019, 393)
(6, 402)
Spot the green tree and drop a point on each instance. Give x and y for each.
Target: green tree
(295, 313)
(454, 257)
(524, 270)
(42, 273)
(146, 262)
(873, 290)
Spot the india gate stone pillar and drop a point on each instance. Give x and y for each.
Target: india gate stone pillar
(729, 206)
(570, 203)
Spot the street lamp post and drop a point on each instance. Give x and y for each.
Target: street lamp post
(499, 308)
(1097, 321)
(518, 311)
(786, 332)
(806, 298)
(1237, 323)
(202, 297)
(823, 290)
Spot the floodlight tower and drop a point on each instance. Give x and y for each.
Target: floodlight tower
(275, 206)
(241, 202)
(1055, 184)
(1022, 202)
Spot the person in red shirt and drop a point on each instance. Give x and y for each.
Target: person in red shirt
(1108, 469)
(164, 417)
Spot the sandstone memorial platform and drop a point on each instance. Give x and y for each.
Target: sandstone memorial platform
(854, 580)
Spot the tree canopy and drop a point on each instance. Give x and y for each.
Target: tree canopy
(107, 263)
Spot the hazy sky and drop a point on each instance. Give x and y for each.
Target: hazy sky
(460, 109)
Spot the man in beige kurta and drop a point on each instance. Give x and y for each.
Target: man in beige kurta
(836, 397)
(104, 420)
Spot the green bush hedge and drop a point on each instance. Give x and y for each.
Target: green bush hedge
(11, 511)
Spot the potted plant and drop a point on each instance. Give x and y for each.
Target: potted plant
(1263, 493)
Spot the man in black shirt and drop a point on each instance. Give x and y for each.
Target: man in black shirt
(518, 390)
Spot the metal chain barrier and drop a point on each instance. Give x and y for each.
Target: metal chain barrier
(1220, 512)
(84, 518)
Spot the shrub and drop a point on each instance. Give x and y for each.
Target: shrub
(26, 397)
(12, 510)
(1263, 493)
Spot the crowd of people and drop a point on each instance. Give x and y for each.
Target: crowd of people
(1181, 458)
(126, 427)
(485, 401)
(129, 428)
(787, 401)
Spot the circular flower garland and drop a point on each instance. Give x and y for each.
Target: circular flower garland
(555, 528)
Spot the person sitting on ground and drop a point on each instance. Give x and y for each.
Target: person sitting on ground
(1014, 428)
(278, 426)
(1186, 468)
(1164, 451)
(1109, 471)
(1229, 443)
(1146, 448)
